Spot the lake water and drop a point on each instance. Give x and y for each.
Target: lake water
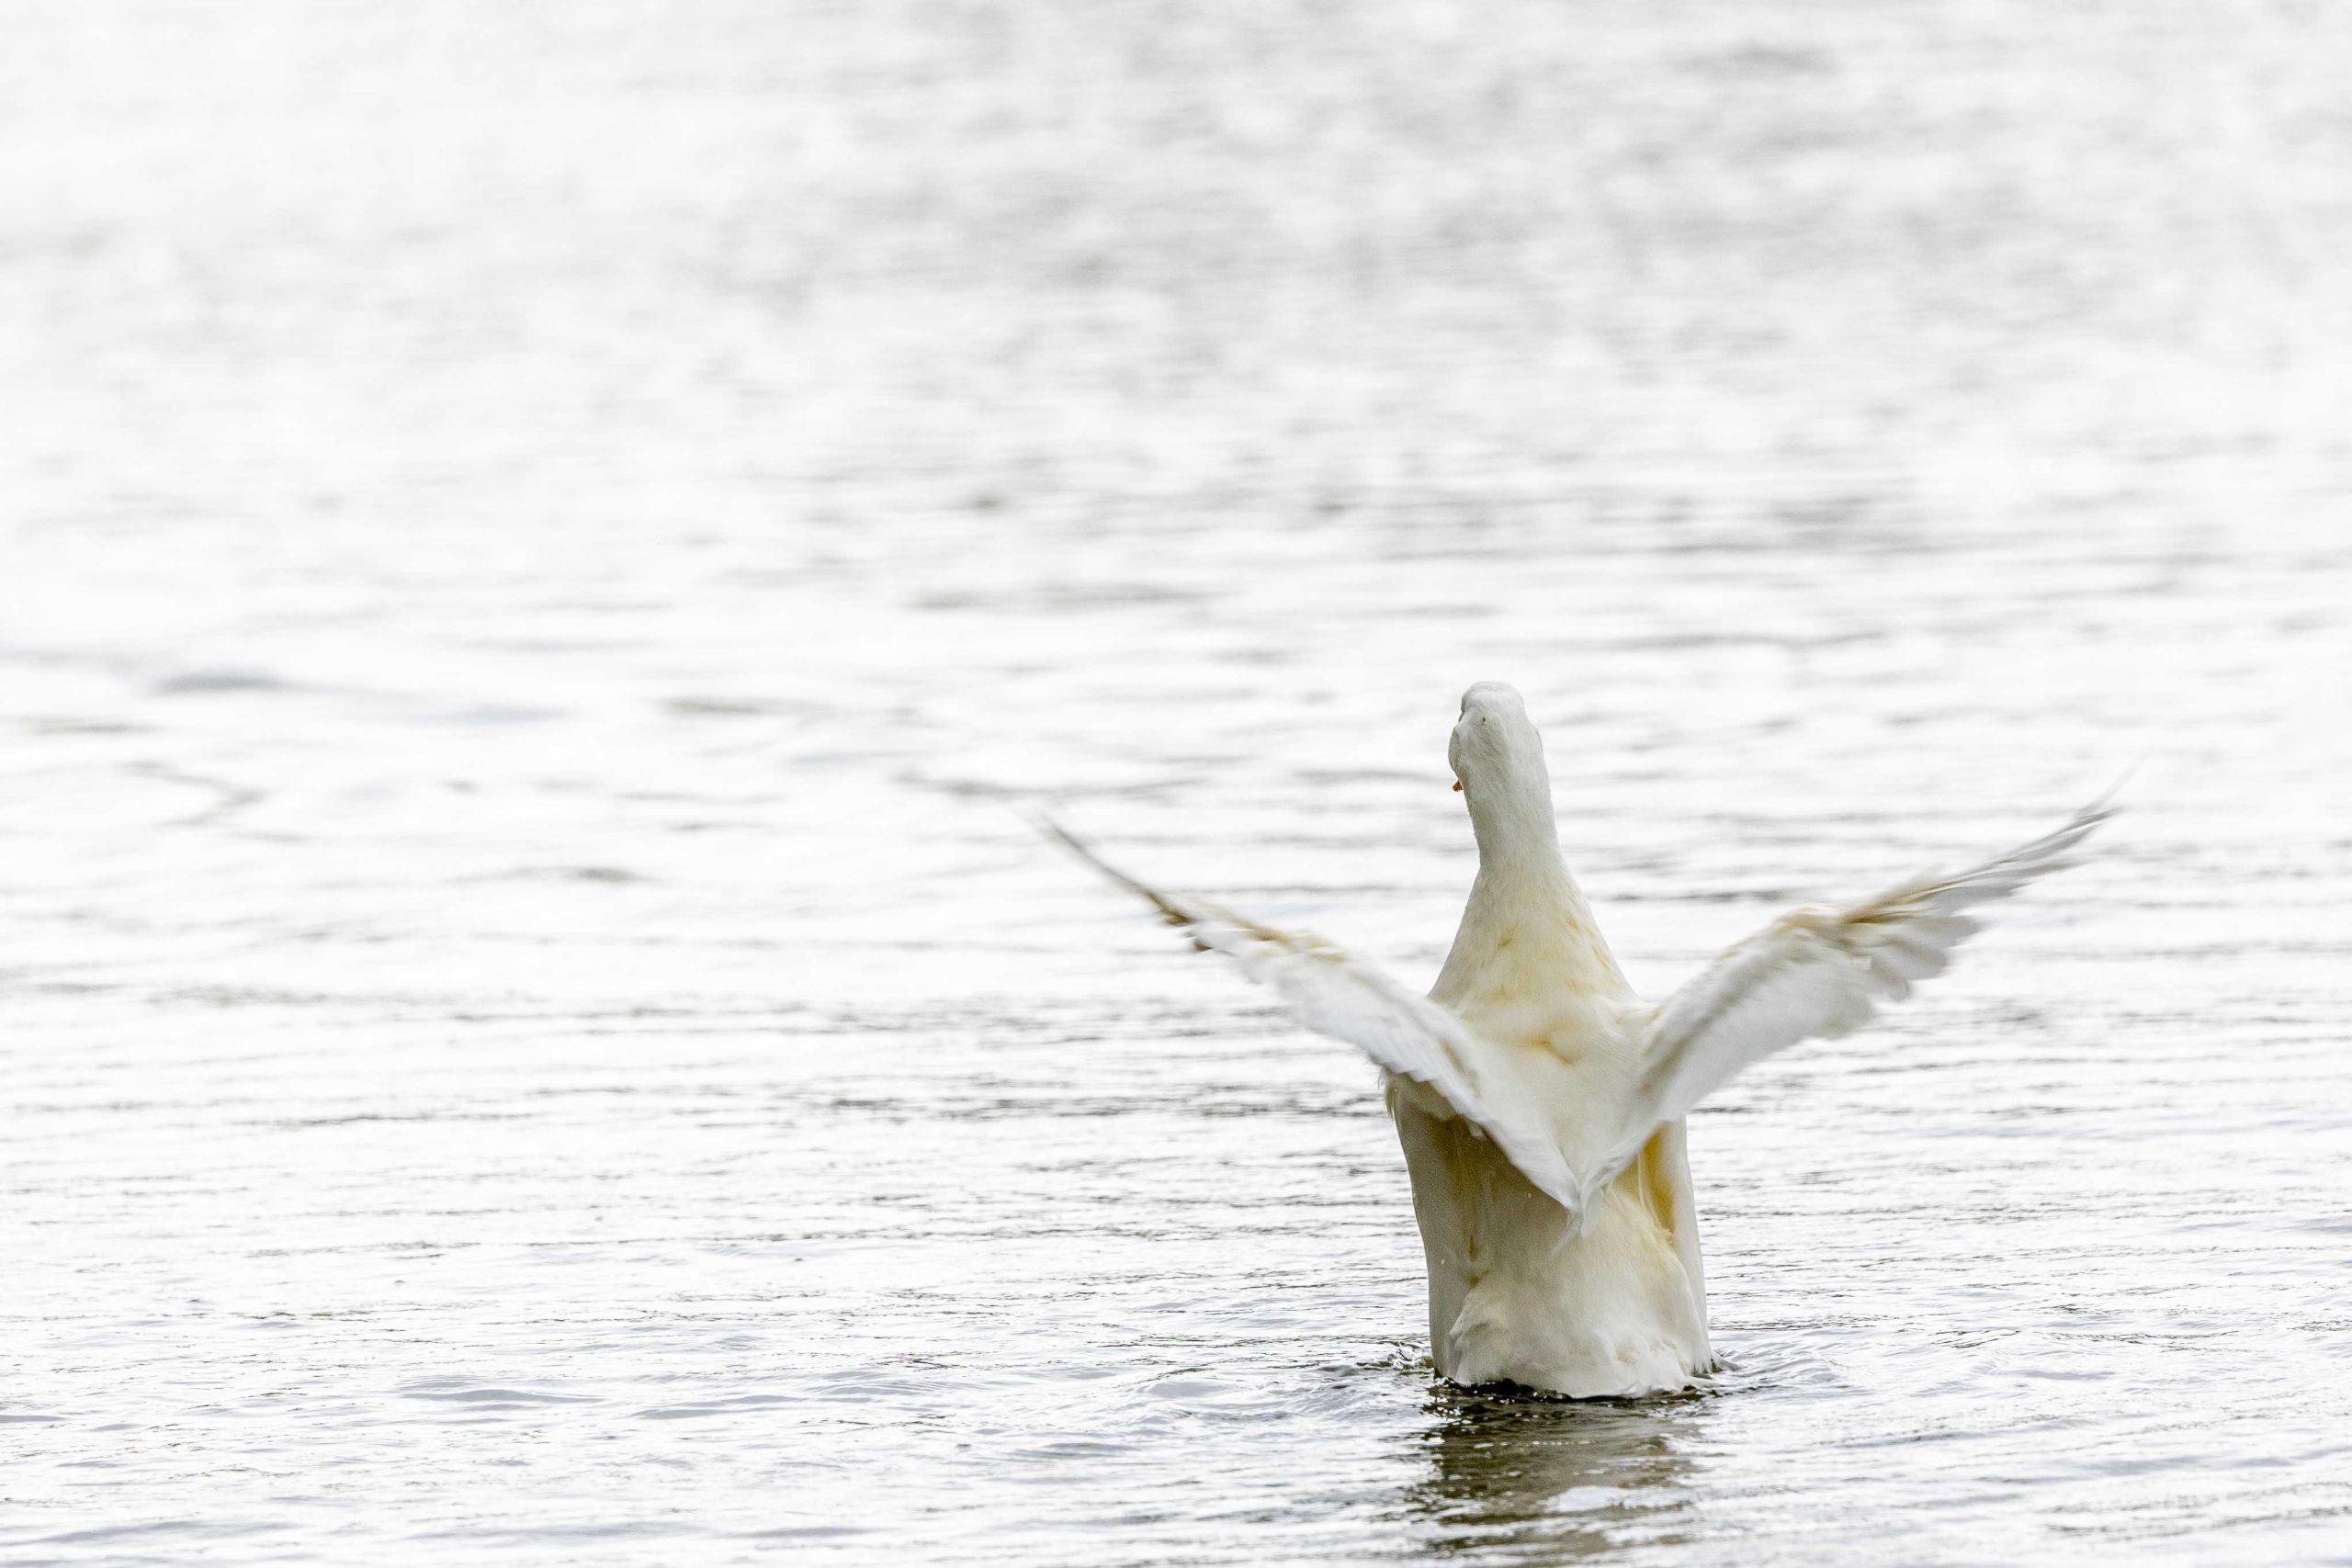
(540, 541)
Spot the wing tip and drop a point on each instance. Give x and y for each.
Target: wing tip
(1055, 832)
(1045, 826)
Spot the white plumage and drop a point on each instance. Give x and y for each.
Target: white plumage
(1540, 1101)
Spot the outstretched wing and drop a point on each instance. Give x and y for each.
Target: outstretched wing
(1405, 1032)
(1816, 971)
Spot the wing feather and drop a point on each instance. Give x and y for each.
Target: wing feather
(1404, 1032)
(1813, 973)
(1818, 972)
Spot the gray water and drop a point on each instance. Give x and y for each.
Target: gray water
(540, 541)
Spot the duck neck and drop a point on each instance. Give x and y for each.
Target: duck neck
(1525, 906)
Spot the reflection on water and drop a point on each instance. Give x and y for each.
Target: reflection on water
(1531, 1481)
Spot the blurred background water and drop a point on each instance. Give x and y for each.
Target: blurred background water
(540, 538)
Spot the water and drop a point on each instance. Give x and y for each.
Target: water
(541, 539)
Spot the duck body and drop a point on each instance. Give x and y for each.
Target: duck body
(1608, 1302)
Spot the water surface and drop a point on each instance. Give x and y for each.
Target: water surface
(542, 539)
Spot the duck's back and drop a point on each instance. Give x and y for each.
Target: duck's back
(1619, 1308)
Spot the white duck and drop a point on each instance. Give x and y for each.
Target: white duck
(1540, 1102)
